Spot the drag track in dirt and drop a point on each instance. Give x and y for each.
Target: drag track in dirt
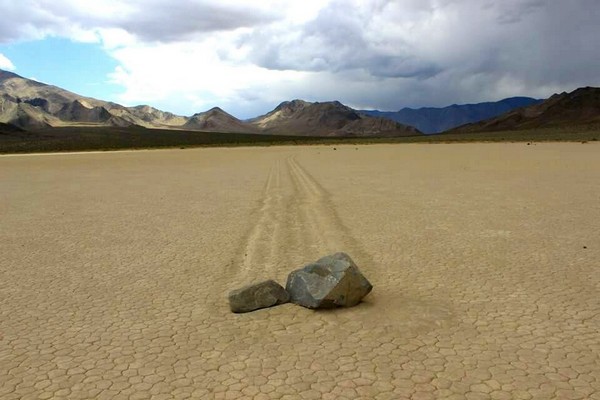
(294, 223)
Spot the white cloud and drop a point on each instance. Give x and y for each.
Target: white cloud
(6, 64)
(246, 57)
(173, 72)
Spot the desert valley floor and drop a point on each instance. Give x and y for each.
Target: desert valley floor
(115, 269)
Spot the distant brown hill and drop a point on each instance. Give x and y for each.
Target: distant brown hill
(217, 120)
(299, 117)
(578, 108)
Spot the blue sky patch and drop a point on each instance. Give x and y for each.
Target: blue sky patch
(82, 68)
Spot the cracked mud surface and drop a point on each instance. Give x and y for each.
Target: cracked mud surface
(115, 270)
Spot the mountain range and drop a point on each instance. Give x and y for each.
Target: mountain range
(435, 120)
(29, 104)
(575, 109)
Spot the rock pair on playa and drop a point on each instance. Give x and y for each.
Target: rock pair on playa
(332, 281)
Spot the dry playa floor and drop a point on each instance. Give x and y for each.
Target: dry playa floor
(115, 269)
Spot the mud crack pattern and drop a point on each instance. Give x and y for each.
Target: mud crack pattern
(115, 269)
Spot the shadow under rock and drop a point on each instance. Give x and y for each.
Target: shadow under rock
(389, 309)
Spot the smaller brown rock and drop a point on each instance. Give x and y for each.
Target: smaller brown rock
(256, 296)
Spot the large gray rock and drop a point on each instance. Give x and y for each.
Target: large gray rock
(260, 295)
(332, 281)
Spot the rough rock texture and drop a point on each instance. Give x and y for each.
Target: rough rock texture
(260, 295)
(330, 118)
(332, 281)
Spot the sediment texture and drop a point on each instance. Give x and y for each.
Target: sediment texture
(115, 270)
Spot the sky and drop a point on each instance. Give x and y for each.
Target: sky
(246, 57)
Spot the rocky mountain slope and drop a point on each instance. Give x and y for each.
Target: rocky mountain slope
(298, 117)
(217, 120)
(435, 120)
(578, 108)
(28, 104)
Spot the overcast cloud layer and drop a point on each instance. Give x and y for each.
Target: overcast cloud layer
(246, 57)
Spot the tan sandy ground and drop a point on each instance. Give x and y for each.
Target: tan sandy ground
(115, 267)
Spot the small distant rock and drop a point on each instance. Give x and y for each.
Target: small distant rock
(332, 281)
(260, 295)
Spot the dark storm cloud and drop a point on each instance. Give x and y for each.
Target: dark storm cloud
(150, 20)
(163, 21)
(516, 12)
(441, 52)
(553, 42)
(337, 40)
